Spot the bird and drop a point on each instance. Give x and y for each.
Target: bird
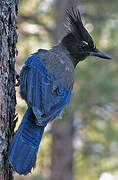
(46, 83)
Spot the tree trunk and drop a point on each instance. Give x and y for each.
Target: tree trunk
(62, 129)
(62, 147)
(8, 51)
(60, 17)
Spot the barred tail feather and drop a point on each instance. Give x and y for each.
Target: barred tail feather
(25, 144)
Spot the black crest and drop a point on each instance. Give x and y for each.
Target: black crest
(76, 27)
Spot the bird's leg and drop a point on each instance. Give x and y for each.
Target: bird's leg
(17, 78)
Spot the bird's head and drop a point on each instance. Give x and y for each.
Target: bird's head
(78, 41)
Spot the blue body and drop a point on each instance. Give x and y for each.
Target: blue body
(45, 101)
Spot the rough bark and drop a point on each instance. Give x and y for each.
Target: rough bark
(8, 51)
(62, 130)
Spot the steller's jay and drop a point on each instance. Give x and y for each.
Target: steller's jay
(46, 82)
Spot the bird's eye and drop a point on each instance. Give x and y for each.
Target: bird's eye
(84, 45)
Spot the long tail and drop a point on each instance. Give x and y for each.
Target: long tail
(25, 144)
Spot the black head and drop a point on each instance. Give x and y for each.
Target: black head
(78, 41)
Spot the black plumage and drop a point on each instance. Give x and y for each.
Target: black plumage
(78, 41)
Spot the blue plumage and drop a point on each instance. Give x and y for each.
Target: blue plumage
(25, 144)
(40, 92)
(45, 101)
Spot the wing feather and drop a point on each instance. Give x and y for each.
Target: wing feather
(37, 87)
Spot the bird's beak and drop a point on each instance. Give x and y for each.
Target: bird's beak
(100, 54)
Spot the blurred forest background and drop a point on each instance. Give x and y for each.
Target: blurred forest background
(83, 145)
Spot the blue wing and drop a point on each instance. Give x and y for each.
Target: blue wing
(39, 90)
